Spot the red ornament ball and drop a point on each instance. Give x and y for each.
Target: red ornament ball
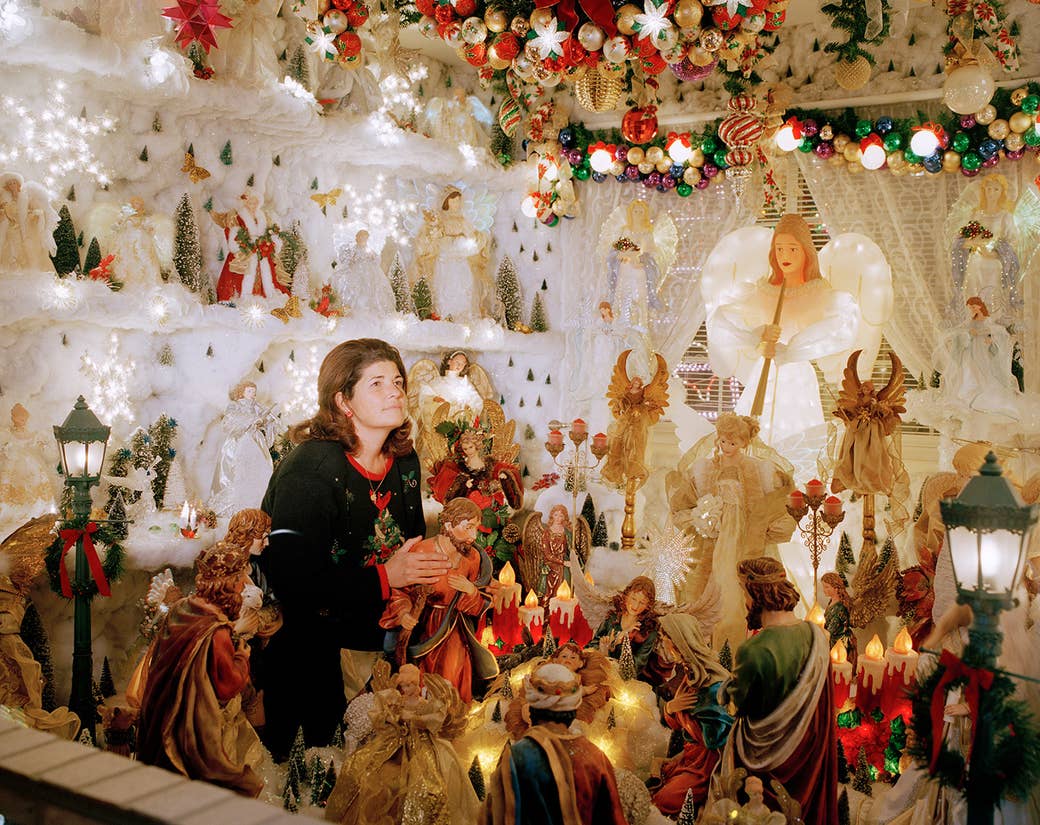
(343, 5)
(426, 7)
(724, 20)
(464, 8)
(507, 46)
(358, 15)
(653, 63)
(444, 14)
(349, 44)
(639, 125)
(475, 54)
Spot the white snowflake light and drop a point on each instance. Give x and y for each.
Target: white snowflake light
(42, 138)
(303, 380)
(110, 377)
(666, 556)
(376, 208)
(254, 314)
(61, 294)
(159, 309)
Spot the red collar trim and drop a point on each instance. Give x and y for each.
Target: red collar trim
(365, 473)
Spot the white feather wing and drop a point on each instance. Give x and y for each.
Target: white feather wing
(741, 257)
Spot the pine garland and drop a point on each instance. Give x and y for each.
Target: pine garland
(850, 17)
(111, 566)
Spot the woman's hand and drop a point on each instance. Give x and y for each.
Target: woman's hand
(684, 699)
(405, 567)
(462, 584)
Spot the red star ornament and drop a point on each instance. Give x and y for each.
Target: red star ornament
(197, 20)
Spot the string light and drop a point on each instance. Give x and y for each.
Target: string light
(60, 293)
(377, 208)
(51, 143)
(303, 380)
(159, 309)
(254, 314)
(111, 378)
(14, 26)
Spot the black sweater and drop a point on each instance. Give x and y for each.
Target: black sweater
(321, 516)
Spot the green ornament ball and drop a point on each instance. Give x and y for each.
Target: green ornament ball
(971, 161)
(960, 142)
(1031, 137)
(581, 172)
(709, 145)
(893, 142)
(911, 157)
(1031, 104)
(863, 128)
(683, 190)
(719, 159)
(805, 146)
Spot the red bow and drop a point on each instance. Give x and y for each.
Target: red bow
(978, 679)
(70, 537)
(600, 12)
(482, 501)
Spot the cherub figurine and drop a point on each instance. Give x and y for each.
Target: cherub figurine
(197, 671)
(252, 264)
(408, 764)
(457, 387)
(548, 547)
(633, 614)
(434, 625)
(636, 408)
(868, 461)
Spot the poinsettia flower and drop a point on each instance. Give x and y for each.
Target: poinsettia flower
(548, 38)
(322, 41)
(654, 20)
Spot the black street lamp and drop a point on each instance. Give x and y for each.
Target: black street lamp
(82, 440)
(987, 532)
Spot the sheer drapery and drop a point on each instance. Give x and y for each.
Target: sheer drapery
(906, 216)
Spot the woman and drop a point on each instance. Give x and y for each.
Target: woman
(341, 504)
(733, 505)
(633, 614)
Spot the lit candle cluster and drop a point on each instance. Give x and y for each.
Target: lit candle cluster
(505, 604)
(189, 521)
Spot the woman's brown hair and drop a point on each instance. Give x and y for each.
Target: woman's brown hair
(340, 372)
(796, 227)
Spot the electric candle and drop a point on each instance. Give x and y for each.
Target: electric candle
(532, 615)
(505, 603)
(561, 612)
(900, 675)
(579, 428)
(555, 438)
(832, 506)
(841, 675)
(870, 673)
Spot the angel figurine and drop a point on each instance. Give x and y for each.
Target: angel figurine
(408, 768)
(637, 255)
(27, 222)
(769, 330)
(141, 243)
(636, 407)
(359, 281)
(547, 549)
(861, 602)
(252, 264)
(248, 50)
(633, 614)
(729, 495)
(245, 463)
(451, 254)
(457, 119)
(455, 388)
(868, 460)
(26, 480)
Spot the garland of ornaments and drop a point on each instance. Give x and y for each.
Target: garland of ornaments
(1001, 130)
(91, 533)
(1014, 767)
(333, 33)
(593, 45)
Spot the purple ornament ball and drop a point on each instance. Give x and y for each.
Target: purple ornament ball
(969, 173)
(824, 149)
(632, 172)
(653, 179)
(667, 182)
(703, 183)
(991, 161)
(621, 153)
(710, 170)
(1015, 154)
(810, 128)
(968, 121)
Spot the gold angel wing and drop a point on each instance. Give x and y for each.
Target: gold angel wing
(481, 381)
(529, 560)
(892, 398)
(380, 675)
(435, 444)
(583, 540)
(847, 406)
(656, 392)
(502, 431)
(23, 551)
(791, 807)
(706, 608)
(618, 381)
(872, 587)
(225, 220)
(595, 602)
(422, 373)
(455, 717)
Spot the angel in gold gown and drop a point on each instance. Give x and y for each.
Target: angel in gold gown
(548, 547)
(868, 460)
(636, 407)
(408, 771)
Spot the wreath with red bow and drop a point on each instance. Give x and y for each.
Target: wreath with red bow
(102, 572)
(1014, 765)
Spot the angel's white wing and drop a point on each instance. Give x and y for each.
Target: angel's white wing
(595, 602)
(666, 240)
(479, 206)
(480, 112)
(960, 212)
(609, 233)
(163, 234)
(741, 257)
(1027, 226)
(853, 263)
(425, 195)
(430, 119)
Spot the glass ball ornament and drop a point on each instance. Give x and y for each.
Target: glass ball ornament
(840, 142)
(591, 37)
(1020, 122)
(986, 115)
(824, 149)
(540, 18)
(893, 141)
(335, 21)
(710, 40)
(852, 153)
(618, 168)
(621, 152)
(863, 128)
(615, 50)
(719, 159)
(826, 132)
(622, 178)
(971, 161)
(688, 13)
(933, 163)
(753, 24)
(428, 27)
(960, 142)
(988, 148)
(967, 122)
(496, 20)
(1014, 142)
(991, 161)
(1019, 95)
(1015, 154)
(632, 172)
(654, 154)
(653, 180)
(968, 173)
(968, 88)
(883, 125)
(676, 170)
(1032, 138)
(645, 168)
(691, 175)
(599, 177)
(1031, 104)
(626, 18)
(474, 30)
(519, 26)
(634, 155)
(667, 182)
(805, 147)
(702, 184)
(664, 166)
(999, 129)
(810, 128)
(581, 172)
(710, 170)
(683, 190)
(567, 138)
(951, 161)
(697, 158)
(709, 145)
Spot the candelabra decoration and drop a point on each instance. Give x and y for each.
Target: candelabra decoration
(578, 463)
(826, 514)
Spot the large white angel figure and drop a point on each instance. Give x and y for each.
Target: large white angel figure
(141, 242)
(359, 280)
(455, 388)
(244, 466)
(460, 118)
(27, 222)
(451, 253)
(637, 253)
(804, 309)
(248, 50)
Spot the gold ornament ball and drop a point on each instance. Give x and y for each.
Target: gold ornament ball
(688, 13)
(1019, 95)
(635, 155)
(1013, 142)
(617, 168)
(519, 26)
(1020, 122)
(496, 20)
(654, 155)
(837, 159)
(523, 67)
(646, 168)
(626, 18)
(496, 62)
(840, 142)
(896, 161)
(852, 153)
(691, 175)
(663, 166)
(540, 18)
(667, 40)
(675, 54)
(986, 115)
(336, 21)
(711, 40)
(531, 53)
(826, 132)
(697, 158)
(591, 37)
(951, 160)
(998, 129)
(852, 74)
(855, 167)
(700, 57)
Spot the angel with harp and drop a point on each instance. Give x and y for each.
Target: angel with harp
(868, 459)
(457, 387)
(768, 330)
(636, 407)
